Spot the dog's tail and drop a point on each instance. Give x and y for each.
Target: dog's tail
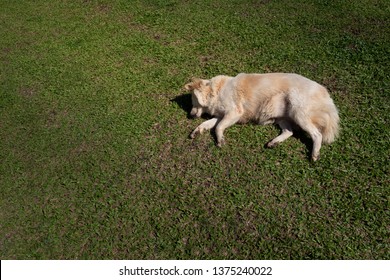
(327, 121)
(331, 130)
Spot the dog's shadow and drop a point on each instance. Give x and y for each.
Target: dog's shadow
(185, 103)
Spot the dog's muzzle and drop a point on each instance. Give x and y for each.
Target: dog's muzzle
(196, 112)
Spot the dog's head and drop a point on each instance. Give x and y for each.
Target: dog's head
(200, 91)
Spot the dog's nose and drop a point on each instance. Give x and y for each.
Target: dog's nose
(193, 112)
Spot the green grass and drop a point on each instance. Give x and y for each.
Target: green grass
(96, 162)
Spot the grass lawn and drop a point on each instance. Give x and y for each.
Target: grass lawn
(95, 158)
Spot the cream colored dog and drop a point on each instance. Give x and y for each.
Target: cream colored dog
(284, 99)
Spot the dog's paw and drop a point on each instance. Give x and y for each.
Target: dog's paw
(193, 134)
(315, 157)
(272, 144)
(221, 142)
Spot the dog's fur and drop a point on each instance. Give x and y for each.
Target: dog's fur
(284, 99)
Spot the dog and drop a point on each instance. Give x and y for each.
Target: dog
(285, 99)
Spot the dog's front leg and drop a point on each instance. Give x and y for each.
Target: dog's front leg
(207, 125)
(228, 120)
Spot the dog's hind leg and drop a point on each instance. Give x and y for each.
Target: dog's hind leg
(207, 125)
(315, 135)
(286, 133)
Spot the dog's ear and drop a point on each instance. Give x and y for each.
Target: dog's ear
(195, 83)
(188, 87)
